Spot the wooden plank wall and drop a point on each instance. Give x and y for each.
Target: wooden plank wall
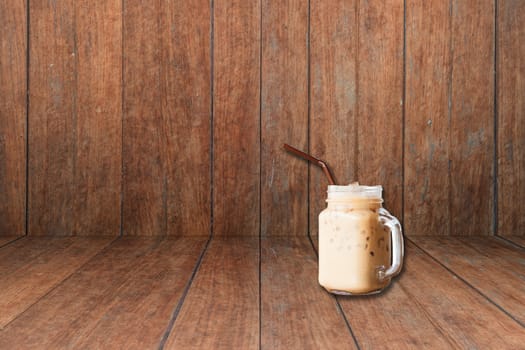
(168, 117)
(13, 109)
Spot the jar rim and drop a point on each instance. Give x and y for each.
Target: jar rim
(354, 188)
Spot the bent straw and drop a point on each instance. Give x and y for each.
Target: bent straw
(312, 159)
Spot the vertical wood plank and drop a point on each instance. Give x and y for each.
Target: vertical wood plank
(492, 266)
(52, 117)
(427, 118)
(75, 136)
(380, 95)
(98, 157)
(13, 72)
(511, 117)
(333, 96)
(144, 183)
(167, 118)
(122, 298)
(186, 110)
(284, 202)
(472, 118)
(236, 117)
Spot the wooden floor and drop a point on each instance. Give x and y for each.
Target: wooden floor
(249, 293)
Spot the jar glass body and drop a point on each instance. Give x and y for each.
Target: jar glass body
(354, 245)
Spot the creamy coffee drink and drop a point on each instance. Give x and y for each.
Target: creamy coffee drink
(354, 244)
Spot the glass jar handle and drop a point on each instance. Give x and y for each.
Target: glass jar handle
(398, 250)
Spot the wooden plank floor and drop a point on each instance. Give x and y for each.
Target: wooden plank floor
(4, 240)
(250, 293)
(519, 240)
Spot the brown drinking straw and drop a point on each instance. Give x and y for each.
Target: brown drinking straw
(312, 159)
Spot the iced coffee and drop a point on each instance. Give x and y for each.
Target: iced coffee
(355, 241)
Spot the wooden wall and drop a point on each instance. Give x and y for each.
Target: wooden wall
(168, 117)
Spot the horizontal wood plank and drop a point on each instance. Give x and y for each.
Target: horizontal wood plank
(491, 266)
(123, 298)
(456, 309)
(429, 307)
(7, 239)
(221, 310)
(394, 303)
(31, 267)
(519, 240)
(296, 312)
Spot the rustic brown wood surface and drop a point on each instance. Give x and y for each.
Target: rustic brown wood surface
(333, 96)
(186, 69)
(372, 319)
(511, 117)
(292, 300)
(31, 267)
(472, 118)
(492, 266)
(519, 240)
(144, 191)
(221, 310)
(441, 305)
(75, 118)
(98, 125)
(166, 118)
(4, 240)
(13, 89)
(123, 298)
(428, 72)
(178, 110)
(284, 117)
(380, 99)
(388, 321)
(236, 118)
(456, 310)
(52, 117)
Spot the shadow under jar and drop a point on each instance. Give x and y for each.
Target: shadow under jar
(360, 243)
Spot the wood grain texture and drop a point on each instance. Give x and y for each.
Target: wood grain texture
(380, 99)
(511, 117)
(284, 118)
(457, 310)
(493, 267)
(31, 267)
(236, 120)
(13, 109)
(123, 298)
(295, 311)
(428, 307)
(186, 109)
(392, 320)
(519, 240)
(472, 118)
(52, 117)
(166, 118)
(427, 118)
(221, 309)
(4, 240)
(144, 190)
(98, 158)
(75, 118)
(333, 96)
(371, 319)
